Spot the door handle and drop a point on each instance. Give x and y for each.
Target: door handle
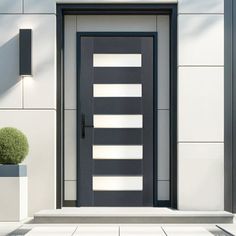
(84, 126)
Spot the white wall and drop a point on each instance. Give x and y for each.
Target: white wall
(30, 103)
(200, 105)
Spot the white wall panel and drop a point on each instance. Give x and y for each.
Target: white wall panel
(70, 190)
(11, 6)
(163, 149)
(70, 62)
(201, 39)
(39, 127)
(10, 97)
(10, 82)
(13, 199)
(201, 6)
(23, 197)
(201, 176)
(40, 90)
(39, 6)
(116, 23)
(201, 104)
(163, 190)
(70, 145)
(163, 67)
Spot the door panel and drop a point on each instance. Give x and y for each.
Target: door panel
(121, 105)
(115, 110)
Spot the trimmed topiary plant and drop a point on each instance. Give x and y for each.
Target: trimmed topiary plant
(14, 146)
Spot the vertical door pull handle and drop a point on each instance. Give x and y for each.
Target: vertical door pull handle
(83, 125)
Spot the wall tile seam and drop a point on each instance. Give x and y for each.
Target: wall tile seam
(19, 13)
(201, 13)
(75, 180)
(23, 93)
(156, 27)
(200, 66)
(28, 109)
(117, 2)
(158, 109)
(200, 142)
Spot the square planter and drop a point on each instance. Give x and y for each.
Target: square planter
(13, 193)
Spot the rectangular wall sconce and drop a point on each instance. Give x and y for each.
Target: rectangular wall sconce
(25, 51)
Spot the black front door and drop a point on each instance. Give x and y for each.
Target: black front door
(116, 118)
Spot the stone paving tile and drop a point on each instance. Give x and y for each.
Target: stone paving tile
(218, 232)
(51, 231)
(118, 230)
(136, 230)
(186, 231)
(97, 231)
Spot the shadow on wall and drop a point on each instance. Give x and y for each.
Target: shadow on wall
(199, 25)
(8, 6)
(212, 6)
(9, 65)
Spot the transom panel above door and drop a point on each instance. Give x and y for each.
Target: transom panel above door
(116, 118)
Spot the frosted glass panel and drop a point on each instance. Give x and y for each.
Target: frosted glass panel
(117, 60)
(70, 190)
(118, 121)
(117, 90)
(117, 183)
(163, 190)
(117, 152)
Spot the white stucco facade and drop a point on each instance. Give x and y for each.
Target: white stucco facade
(30, 103)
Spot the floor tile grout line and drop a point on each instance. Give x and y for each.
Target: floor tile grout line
(75, 230)
(164, 231)
(225, 231)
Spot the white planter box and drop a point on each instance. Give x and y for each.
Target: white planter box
(13, 193)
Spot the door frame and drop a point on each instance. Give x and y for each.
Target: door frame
(116, 9)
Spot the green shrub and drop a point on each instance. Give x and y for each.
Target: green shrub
(14, 146)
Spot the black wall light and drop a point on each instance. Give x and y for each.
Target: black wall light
(25, 51)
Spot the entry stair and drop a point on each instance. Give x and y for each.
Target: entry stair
(130, 215)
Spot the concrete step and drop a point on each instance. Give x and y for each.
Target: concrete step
(134, 215)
